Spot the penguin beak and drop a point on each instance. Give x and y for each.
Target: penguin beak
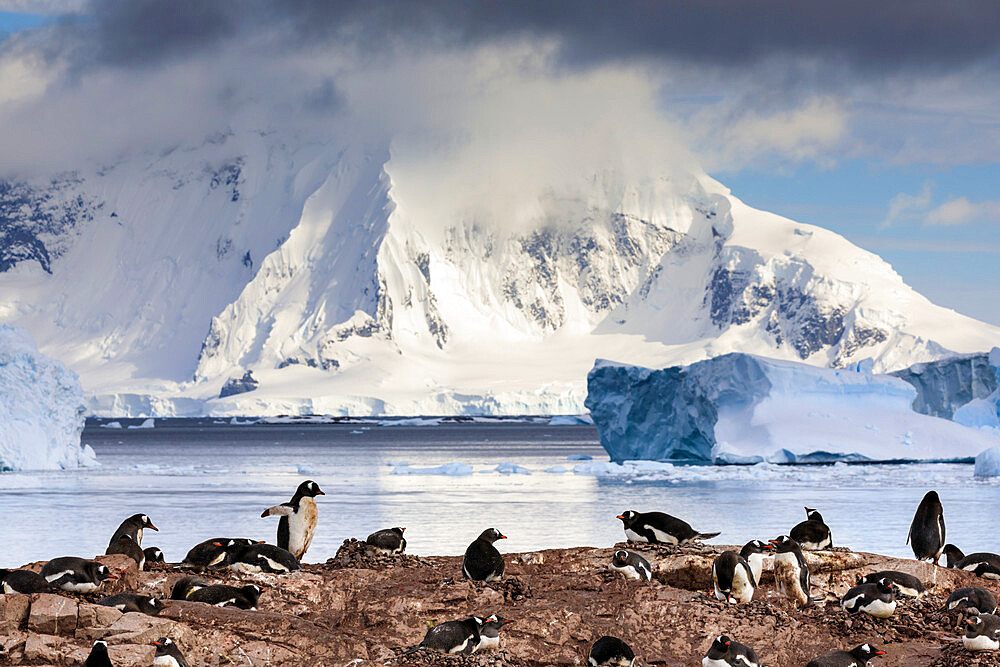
(621, 516)
(152, 527)
(879, 652)
(157, 644)
(773, 543)
(508, 620)
(403, 529)
(111, 576)
(320, 493)
(216, 544)
(503, 537)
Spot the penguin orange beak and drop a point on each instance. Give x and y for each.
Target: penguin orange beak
(620, 516)
(216, 544)
(111, 576)
(503, 537)
(320, 493)
(508, 620)
(880, 652)
(403, 529)
(152, 527)
(156, 643)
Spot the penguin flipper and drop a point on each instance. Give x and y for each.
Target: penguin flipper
(278, 510)
(706, 536)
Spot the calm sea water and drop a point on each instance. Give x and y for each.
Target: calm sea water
(197, 479)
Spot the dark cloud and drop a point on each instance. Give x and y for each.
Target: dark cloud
(868, 36)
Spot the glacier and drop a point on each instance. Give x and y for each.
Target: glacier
(984, 413)
(742, 408)
(41, 408)
(321, 269)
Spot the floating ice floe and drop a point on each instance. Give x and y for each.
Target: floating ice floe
(111, 425)
(147, 423)
(42, 411)
(414, 421)
(455, 469)
(579, 457)
(511, 468)
(988, 463)
(571, 420)
(556, 470)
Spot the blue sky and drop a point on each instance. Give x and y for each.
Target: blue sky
(888, 135)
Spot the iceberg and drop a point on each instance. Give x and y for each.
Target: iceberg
(988, 463)
(945, 385)
(744, 409)
(146, 423)
(42, 408)
(984, 413)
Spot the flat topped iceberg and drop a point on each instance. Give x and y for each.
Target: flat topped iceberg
(741, 408)
(41, 408)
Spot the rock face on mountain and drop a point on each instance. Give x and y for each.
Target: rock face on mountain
(339, 613)
(322, 270)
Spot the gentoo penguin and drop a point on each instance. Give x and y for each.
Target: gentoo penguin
(973, 598)
(76, 575)
(23, 581)
(213, 552)
(261, 558)
(482, 560)
(859, 656)
(631, 565)
(168, 654)
(153, 555)
(489, 634)
(926, 536)
(126, 546)
(733, 578)
(611, 651)
(455, 637)
(125, 602)
(388, 541)
(184, 586)
(133, 527)
(754, 552)
(812, 534)
(791, 571)
(985, 565)
(878, 599)
(982, 633)
(298, 519)
(659, 528)
(725, 652)
(245, 597)
(952, 555)
(906, 584)
(98, 655)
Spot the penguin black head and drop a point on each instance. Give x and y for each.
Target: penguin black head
(491, 535)
(253, 590)
(99, 650)
(628, 517)
(886, 586)
(952, 554)
(141, 521)
(398, 530)
(757, 547)
(152, 606)
(100, 572)
(153, 555)
(784, 544)
(719, 648)
(813, 515)
(619, 558)
(496, 621)
(309, 489)
(866, 652)
(166, 646)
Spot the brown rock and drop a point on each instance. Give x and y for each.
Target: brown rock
(13, 612)
(136, 628)
(53, 615)
(44, 647)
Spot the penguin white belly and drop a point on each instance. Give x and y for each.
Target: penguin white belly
(493, 577)
(274, 565)
(460, 647)
(879, 609)
(628, 571)
(634, 536)
(756, 562)
(816, 546)
(301, 526)
(87, 587)
(245, 568)
(709, 662)
(488, 643)
(742, 588)
(980, 643)
(166, 661)
(786, 578)
(7, 589)
(661, 536)
(909, 592)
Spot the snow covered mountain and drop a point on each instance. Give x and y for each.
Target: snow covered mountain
(328, 272)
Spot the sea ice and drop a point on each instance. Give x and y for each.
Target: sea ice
(511, 468)
(455, 469)
(556, 470)
(741, 408)
(579, 457)
(415, 421)
(988, 463)
(42, 410)
(112, 425)
(146, 423)
(571, 420)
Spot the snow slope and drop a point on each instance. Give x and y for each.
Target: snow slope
(41, 408)
(323, 270)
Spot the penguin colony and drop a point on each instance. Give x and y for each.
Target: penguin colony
(736, 576)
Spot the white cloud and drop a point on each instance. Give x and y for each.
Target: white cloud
(961, 211)
(905, 206)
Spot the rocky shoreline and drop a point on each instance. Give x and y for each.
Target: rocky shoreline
(357, 609)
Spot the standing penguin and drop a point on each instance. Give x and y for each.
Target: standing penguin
(482, 560)
(733, 578)
(812, 534)
(926, 536)
(489, 636)
(725, 652)
(387, 541)
(132, 527)
(168, 654)
(612, 652)
(983, 633)
(858, 656)
(76, 575)
(98, 655)
(659, 528)
(298, 519)
(878, 599)
(631, 565)
(454, 637)
(791, 571)
(754, 552)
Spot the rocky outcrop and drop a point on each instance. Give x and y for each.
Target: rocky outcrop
(357, 609)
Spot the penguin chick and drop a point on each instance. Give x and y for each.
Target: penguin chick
(859, 656)
(126, 546)
(126, 602)
(906, 584)
(98, 655)
(454, 637)
(733, 579)
(168, 654)
(132, 527)
(791, 571)
(612, 652)
(982, 633)
(23, 581)
(927, 532)
(482, 561)
(298, 519)
(754, 552)
(213, 552)
(631, 565)
(184, 586)
(812, 534)
(725, 652)
(878, 599)
(489, 635)
(76, 575)
(245, 597)
(388, 541)
(659, 528)
(973, 598)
